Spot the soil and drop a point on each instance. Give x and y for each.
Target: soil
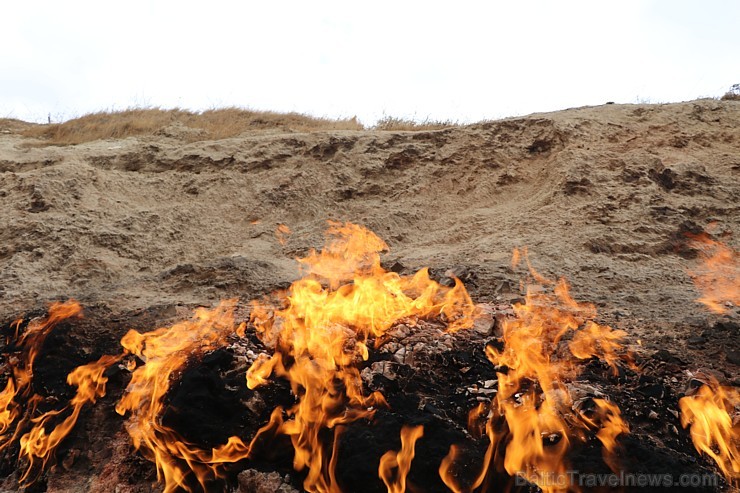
(144, 229)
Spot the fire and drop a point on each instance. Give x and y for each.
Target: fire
(709, 415)
(400, 462)
(445, 470)
(718, 278)
(532, 413)
(320, 331)
(165, 352)
(38, 446)
(19, 388)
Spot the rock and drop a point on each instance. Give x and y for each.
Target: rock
(484, 324)
(653, 415)
(733, 357)
(400, 355)
(696, 341)
(255, 404)
(652, 390)
(727, 326)
(667, 356)
(384, 368)
(253, 481)
(489, 383)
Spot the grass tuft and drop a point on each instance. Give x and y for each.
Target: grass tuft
(393, 123)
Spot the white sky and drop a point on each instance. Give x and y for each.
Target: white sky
(462, 61)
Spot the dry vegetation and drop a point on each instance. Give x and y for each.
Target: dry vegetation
(212, 124)
(401, 124)
(207, 125)
(733, 94)
(196, 126)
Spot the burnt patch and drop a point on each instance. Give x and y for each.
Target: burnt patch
(428, 377)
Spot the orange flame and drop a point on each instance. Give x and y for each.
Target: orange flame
(718, 278)
(37, 445)
(321, 332)
(400, 462)
(608, 421)
(533, 400)
(445, 470)
(709, 414)
(166, 351)
(19, 384)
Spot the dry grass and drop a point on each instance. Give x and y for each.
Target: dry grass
(392, 123)
(11, 125)
(207, 125)
(733, 94)
(186, 125)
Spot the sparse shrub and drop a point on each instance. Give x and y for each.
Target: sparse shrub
(393, 123)
(733, 94)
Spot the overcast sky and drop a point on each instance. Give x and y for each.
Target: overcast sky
(470, 61)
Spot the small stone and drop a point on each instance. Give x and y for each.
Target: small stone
(653, 415)
(673, 429)
(400, 355)
(384, 368)
(696, 341)
(484, 324)
(667, 356)
(390, 347)
(253, 481)
(489, 383)
(733, 357)
(255, 404)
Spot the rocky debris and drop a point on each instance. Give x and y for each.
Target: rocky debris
(417, 340)
(253, 481)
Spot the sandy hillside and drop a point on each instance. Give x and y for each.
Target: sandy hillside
(600, 195)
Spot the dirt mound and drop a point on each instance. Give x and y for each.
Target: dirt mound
(600, 195)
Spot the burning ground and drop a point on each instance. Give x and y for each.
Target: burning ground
(454, 378)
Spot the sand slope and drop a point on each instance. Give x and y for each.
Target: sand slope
(601, 195)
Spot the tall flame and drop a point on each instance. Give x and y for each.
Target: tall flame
(19, 385)
(320, 332)
(165, 352)
(38, 446)
(709, 415)
(395, 466)
(532, 413)
(718, 278)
